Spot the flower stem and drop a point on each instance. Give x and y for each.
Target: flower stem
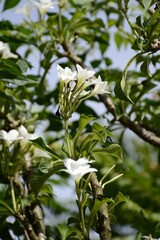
(81, 212)
(13, 195)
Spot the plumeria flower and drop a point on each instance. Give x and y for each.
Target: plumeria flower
(26, 9)
(83, 74)
(100, 87)
(5, 51)
(66, 74)
(77, 169)
(10, 136)
(24, 133)
(2, 46)
(43, 5)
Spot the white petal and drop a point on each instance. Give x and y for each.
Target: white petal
(84, 74)
(66, 74)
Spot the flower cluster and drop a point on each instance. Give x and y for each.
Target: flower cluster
(77, 86)
(5, 51)
(14, 135)
(77, 169)
(42, 5)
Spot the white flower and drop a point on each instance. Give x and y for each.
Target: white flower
(43, 5)
(10, 136)
(2, 46)
(26, 9)
(24, 133)
(100, 87)
(77, 169)
(83, 74)
(66, 74)
(5, 51)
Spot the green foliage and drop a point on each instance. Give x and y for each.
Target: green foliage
(30, 170)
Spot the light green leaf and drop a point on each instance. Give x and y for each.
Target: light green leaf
(145, 67)
(65, 231)
(45, 166)
(39, 143)
(112, 149)
(147, 4)
(83, 121)
(22, 65)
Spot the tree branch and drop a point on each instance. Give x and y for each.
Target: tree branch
(103, 216)
(136, 127)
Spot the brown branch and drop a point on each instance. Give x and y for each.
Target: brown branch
(71, 55)
(103, 216)
(146, 135)
(27, 226)
(143, 133)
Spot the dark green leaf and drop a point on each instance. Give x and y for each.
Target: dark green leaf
(7, 206)
(121, 90)
(38, 181)
(119, 199)
(10, 4)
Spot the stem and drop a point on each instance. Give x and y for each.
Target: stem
(130, 61)
(81, 211)
(13, 195)
(60, 22)
(68, 142)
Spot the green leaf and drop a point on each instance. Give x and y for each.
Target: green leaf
(45, 166)
(38, 181)
(7, 206)
(113, 149)
(83, 121)
(39, 143)
(10, 98)
(118, 40)
(147, 4)
(90, 141)
(22, 65)
(65, 231)
(9, 66)
(95, 63)
(97, 204)
(121, 90)
(18, 81)
(145, 67)
(10, 4)
(119, 199)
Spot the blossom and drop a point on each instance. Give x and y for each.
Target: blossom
(66, 74)
(10, 136)
(77, 169)
(26, 9)
(43, 5)
(5, 51)
(24, 133)
(83, 74)
(100, 87)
